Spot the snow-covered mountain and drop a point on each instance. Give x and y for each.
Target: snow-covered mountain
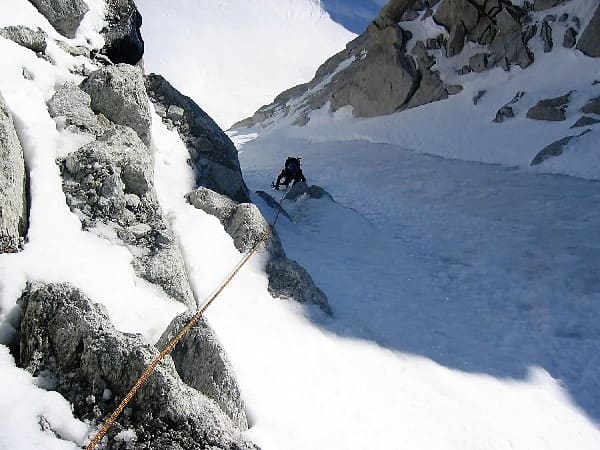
(231, 57)
(498, 82)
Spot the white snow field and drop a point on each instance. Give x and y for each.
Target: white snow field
(465, 296)
(233, 56)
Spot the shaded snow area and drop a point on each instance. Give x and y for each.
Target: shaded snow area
(232, 57)
(465, 300)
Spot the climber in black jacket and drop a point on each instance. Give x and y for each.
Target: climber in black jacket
(291, 173)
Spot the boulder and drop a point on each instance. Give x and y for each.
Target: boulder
(592, 106)
(552, 109)
(557, 148)
(66, 338)
(589, 41)
(110, 181)
(478, 97)
(213, 156)
(246, 225)
(118, 92)
(456, 40)
(71, 107)
(13, 185)
(508, 42)
(481, 61)
(288, 279)
(506, 111)
(123, 41)
(452, 12)
(64, 15)
(570, 37)
(202, 363)
(34, 40)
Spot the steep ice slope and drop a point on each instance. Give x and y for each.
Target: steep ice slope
(233, 56)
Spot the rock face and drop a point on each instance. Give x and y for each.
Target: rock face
(202, 363)
(213, 156)
(70, 342)
(34, 40)
(13, 197)
(110, 181)
(118, 93)
(64, 15)
(246, 225)
(122, 36)
(590, 38)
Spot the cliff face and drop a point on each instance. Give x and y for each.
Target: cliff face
(402, 59)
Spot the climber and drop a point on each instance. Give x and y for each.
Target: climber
(291, 173)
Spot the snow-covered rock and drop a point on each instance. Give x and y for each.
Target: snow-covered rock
(202, 363)
(247, 227)
(13, 198)
(110, 181)
(118, 92)
(71, 344)
(64, 15)
(71, 107)
(34, 40)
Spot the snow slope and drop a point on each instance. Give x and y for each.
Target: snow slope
(233, 56)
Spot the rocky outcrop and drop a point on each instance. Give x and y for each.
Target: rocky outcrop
(557, 148)
(34, 40)
(110, 182)
(64, 15)
(122, 36)
(592, 106)
(392, 13)
(506, 111)
(13, 197)
(70, 342)
(119, 94)
(202, 363)
(589, 41)
(247, 226)
(213, 156)
(584, 122)
(552, 109)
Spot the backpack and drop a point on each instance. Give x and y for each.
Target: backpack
(292, 164)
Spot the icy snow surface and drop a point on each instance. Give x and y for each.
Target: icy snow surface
(234, 56)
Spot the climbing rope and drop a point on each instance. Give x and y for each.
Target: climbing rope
(171, 345)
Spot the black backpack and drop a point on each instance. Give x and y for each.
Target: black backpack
(292, 164)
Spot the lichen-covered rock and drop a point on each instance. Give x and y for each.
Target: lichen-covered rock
(71, 108)
(118, 92)
(70, 340)
(202, 363)
(110, 181)
(123, 41)
(13, 183)
(213, 156)
(64, 15)
(34, 40)
(247, 226)
(589, 42)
